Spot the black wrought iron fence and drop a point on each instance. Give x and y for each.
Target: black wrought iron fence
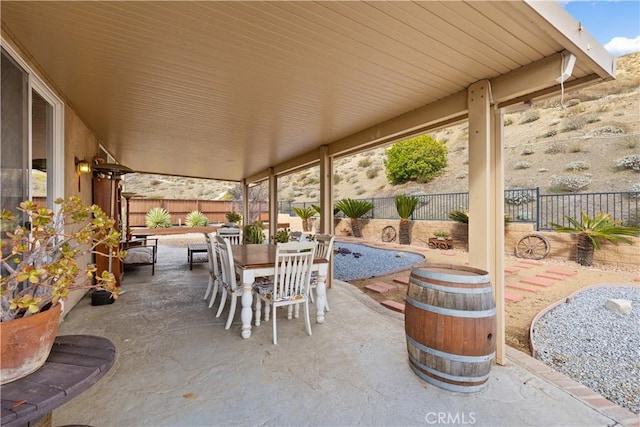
(521, 205)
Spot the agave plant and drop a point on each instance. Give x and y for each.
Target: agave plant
(405, 205)
(354, 210)
(196, 219)
(233, 217)
(305, 214)
(158, 218)
(591, 231)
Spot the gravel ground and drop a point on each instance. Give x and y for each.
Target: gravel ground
(354, 261)
(593, 345)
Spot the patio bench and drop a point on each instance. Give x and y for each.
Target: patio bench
(195, 253)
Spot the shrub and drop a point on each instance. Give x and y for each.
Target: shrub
(461, 175)
(607, 130)
(635, 190)
(460, 216)
(576, 147)
(336, 179)
(158, 218)
(508, 121)
(522, 165)
(527, 151)
(233, 217)
(530, 116)
(632, 161)
(630, 141)
(364, 163)
(253, 233)
(519, 197)
(592, 118)
(549, 133)
(196, 219)
(572, 123)
(556, 147)
(570, 183)
(422, 157)
(578, 165)
(372, 172)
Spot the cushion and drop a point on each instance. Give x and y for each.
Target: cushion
(139, 256)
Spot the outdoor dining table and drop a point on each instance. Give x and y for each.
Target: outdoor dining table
(258, 260)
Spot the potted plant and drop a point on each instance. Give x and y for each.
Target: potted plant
(233, 219)
(254, 233)
(441, 234)
(354, 209)
(591, 231)
(40, 267)
(405, 205)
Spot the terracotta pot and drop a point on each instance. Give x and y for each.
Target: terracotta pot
(25, 343)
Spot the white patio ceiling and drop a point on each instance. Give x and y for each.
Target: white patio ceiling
(226, 90)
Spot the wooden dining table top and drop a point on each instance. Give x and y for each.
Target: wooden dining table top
(258, 256)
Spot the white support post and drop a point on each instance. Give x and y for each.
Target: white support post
(245, 202)
(496, 203)
(326, 191)
(479, 175)
(273, 203)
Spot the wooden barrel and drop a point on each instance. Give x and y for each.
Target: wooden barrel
(450, 323)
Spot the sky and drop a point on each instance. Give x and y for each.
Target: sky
(614, 23)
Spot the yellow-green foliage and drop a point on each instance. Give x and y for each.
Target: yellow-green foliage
(417, 159)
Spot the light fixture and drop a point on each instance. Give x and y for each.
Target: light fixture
(82, 166)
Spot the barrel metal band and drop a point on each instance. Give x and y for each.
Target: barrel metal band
(446, 386)
(450, 377)
(449, 356)
(448, 277)
(451, 290)
(451, 311)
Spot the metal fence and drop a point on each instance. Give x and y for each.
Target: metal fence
(521, 205)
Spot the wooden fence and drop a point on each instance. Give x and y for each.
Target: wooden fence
(214, 210)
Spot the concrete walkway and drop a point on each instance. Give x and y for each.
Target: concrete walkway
(177, 366)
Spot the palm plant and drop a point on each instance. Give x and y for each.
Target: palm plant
(354, 209)
(405, 206)
(304, 214)
(591, 231)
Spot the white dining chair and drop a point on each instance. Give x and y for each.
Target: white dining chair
(215, 273)
(290, 286)
(234, 235)
(324, 249)
(229, 283)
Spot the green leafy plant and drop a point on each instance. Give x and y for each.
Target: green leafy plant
(196, 219)
(405, 205)
(41, 266)
(592, 230)
(282, 236)
(417, 159)
(460, 216)
(234, 217)
(254, 232)
(158, 218)
(304, 214)
(442, 234)
(354, 210)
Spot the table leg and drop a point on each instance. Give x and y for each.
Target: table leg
(321, 297)
(246, 313)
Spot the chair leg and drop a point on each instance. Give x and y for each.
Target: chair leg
(223, 301)
(232, 311)
(209, 286)
(275, 333)
(258, 311)
(214, 295)
(307, 320)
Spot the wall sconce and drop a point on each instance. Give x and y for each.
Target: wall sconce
(82, 166)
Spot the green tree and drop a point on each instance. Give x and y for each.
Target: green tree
(305, 214)
(405, 205)
(591, 231)
(354, 209)
(417, 159)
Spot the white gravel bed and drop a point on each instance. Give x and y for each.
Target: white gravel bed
(354, 261)
(593, 345)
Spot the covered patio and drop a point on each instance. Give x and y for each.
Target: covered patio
(177, 366)
(250, 91)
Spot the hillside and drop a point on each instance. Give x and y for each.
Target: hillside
(584, 136)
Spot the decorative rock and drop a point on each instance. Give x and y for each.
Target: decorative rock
(620, 306)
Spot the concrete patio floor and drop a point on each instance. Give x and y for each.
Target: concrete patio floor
(177, 366)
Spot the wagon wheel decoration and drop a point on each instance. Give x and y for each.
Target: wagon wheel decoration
(388, 234)
(532, 246)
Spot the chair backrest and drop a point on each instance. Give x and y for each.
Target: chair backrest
(231, 233)
(227, 267)
(212, 254)
(295, 236)
(324, 247)
(292, 274)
